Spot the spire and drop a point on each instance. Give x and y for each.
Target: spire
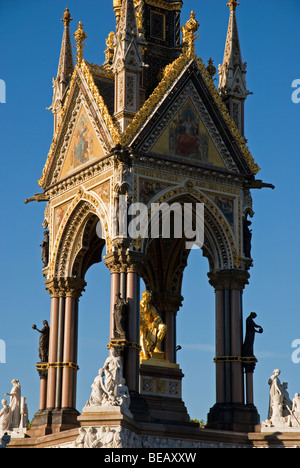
(127, 65)
(128, 42)
(65, 69)
(66, 64)
(232, 72)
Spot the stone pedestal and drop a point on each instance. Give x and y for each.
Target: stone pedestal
(161, 388)
(53, 421)
(233, 417)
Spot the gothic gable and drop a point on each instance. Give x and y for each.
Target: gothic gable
(191, 124)
(186, 137)
(84, 147)
(85, 132)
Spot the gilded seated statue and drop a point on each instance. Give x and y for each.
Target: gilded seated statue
(152, 328)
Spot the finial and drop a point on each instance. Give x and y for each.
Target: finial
(232, 4)
(189, 35)
(67, 17)
(80, 36)
(211, 68)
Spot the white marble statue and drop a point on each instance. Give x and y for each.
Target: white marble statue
(282, 411)
(108, 388)
(5, 418)
(15, 403)
(14, 417)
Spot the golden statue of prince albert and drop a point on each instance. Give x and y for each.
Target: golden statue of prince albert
(152, 328)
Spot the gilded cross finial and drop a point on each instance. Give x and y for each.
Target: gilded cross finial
(232, 4)
(80, 36)
(189, 32)
(67, 17)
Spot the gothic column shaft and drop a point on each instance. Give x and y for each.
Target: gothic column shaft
(60, 344)
(227, 345)
(132, 364)
(170, 338)
(249, 388)
(69, 353)
(115, 289)
(230, 411)
(236, 347)
(167, 304)
(43, 392)
(52, 351)
(220, 346)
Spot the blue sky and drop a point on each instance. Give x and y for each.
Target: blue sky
(30, 34)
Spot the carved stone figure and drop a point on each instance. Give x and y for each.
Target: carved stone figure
(251, 329)
(108, 388)
(152, 328)
(280, 405)
(5, 418)
(113, 372)
(45, 249)
(120, 316)
(247, 237)
(44, 341)
(296, 404)
(15, 403)
(98, 394)
(79, 442)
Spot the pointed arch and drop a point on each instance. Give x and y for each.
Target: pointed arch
(77, 244)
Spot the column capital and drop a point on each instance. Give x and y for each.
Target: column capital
(53, 287)
(125, 261)
(64, 287)
(229, 279)
(167, 300)
(74, 287)
(135, 262)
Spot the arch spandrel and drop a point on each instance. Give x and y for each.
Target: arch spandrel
(82, 215)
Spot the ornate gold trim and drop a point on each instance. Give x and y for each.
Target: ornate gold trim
(100, 103)
(165, 5)
(171, 72)
(84, 67)
(58, 128)
(41, 366)
(226, 116)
